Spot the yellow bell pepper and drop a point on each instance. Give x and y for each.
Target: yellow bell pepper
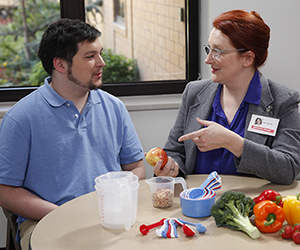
(287, 197)
(292, 210)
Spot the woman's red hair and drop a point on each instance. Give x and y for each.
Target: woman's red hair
(246, 31)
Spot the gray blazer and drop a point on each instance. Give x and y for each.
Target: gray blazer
(276, 159)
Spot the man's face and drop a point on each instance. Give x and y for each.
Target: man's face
(87, 65)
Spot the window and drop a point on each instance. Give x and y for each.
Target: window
(126, 39)
(119, 6)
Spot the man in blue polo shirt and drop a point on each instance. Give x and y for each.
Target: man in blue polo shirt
(58, 139)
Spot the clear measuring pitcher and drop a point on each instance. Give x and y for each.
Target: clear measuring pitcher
(162, 190)
(117, 196)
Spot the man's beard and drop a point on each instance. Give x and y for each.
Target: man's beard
(90, 85)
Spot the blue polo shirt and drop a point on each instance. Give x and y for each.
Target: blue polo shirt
(51, 149)
(222, 160)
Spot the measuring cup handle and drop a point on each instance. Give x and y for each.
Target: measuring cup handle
(125, 195)
(181, 181)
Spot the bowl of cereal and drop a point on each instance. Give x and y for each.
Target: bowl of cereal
(162, 190)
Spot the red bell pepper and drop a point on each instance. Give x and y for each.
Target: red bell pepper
(270, 195)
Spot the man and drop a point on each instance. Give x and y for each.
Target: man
(57, 140)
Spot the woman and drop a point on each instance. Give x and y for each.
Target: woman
(258, 121)
(213, 130)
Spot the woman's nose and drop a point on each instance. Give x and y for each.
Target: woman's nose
(209, 59)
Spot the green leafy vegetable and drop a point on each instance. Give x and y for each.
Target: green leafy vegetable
(233, 210)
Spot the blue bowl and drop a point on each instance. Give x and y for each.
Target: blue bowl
(196, 208)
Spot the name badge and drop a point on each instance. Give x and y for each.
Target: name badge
(263, 125)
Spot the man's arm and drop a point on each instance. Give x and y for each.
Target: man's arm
(24, 203)
(137, 168)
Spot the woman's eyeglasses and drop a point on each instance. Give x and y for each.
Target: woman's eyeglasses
(216, 52)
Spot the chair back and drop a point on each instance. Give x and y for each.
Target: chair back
(11, 232)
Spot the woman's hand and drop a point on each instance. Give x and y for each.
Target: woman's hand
(215, 136)
(170, 169)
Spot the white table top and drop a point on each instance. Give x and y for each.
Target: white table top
(76, 224)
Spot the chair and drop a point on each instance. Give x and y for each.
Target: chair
(11, 232)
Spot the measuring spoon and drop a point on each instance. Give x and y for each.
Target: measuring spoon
(144, 229)
(200, 228)
(211, 180)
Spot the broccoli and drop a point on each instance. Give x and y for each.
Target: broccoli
(233, 210)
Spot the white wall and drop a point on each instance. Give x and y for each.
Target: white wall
(153, 128)
(283, 19)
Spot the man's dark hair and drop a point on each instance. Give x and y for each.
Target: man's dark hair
(61, 39)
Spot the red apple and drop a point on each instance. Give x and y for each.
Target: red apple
(156, 154)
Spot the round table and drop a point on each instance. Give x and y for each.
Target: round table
(76, 224)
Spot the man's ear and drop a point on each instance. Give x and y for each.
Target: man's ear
(248, 58)
(60, 65)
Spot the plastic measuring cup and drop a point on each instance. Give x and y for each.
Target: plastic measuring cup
(162, 190)
(117, 194)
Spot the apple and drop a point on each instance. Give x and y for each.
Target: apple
(156, 154)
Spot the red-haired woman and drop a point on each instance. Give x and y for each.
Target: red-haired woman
(215, 128)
